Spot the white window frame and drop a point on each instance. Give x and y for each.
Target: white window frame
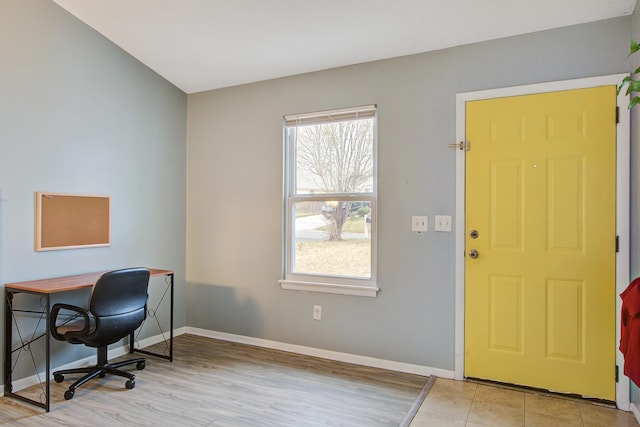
(325, 283)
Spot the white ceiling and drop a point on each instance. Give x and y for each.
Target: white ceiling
(207, 44)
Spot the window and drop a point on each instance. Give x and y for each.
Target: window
(330, 201)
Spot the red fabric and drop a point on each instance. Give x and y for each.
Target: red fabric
(630, 330)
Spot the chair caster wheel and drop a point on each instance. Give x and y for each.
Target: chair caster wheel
(140, 365)
(58, 378)
(130, 384)
(68, 394)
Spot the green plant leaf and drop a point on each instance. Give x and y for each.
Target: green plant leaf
(629, 90)
(634, 86)
(622, 84)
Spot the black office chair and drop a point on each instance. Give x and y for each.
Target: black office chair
(117, 307)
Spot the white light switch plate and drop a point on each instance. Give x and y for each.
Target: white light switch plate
(442, 223)
(419, 223)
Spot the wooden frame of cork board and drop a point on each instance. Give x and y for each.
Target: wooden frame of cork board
(68, 221)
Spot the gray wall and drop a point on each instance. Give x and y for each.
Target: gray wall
(79, 115)
(234, 174)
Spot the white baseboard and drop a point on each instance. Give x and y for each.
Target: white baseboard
(325, 354)
(635, 411)
(23, 383)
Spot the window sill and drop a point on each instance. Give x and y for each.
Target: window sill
(330, 288)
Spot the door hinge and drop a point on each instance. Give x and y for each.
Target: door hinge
(462, 145)
(617, 375)
(617, 114)
(617, 244)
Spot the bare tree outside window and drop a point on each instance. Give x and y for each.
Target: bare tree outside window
(336, 158)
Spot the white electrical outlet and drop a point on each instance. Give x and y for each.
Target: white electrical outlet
(317, 312)
(419, 223)
(442, 223)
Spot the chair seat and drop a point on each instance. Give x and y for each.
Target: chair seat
(76, 325)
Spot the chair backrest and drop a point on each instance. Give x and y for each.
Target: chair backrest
(118, 303)
(119, 292)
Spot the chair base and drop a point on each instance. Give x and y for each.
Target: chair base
(102, 368)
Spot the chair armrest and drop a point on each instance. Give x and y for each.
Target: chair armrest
(80, 311)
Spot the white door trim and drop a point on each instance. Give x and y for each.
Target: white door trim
(622, 207)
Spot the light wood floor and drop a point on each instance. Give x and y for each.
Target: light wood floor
(218, 383)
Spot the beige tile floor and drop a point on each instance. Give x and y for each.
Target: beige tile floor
(467, 404)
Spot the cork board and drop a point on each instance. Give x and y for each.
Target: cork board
(66, 221)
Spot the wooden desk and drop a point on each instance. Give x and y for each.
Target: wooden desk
(44, 288)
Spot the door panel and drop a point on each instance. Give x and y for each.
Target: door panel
(507, 197)
(540, 190)
(566, 204)
(565, 319)
(505, 313)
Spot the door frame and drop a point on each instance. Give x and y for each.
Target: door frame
(622, 206)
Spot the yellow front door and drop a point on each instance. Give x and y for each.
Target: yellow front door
(541, 197)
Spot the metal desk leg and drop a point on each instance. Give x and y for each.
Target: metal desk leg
(8, 370)
(8, 298)
(48, 357)
(171, 322)
(132, 348)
